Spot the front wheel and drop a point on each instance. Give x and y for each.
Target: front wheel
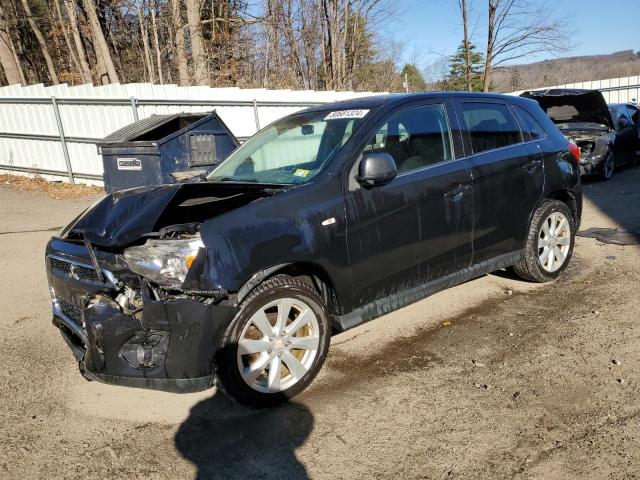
(608, 166)
(276, 345)
(549, 244)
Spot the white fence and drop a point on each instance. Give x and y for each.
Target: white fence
(614, 90)
(53, 130)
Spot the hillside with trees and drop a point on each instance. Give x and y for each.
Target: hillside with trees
(567, 70)
(558, 71)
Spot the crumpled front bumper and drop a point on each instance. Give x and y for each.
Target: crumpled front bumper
(592, 164)
(168, 345)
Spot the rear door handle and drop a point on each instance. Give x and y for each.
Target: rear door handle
(532, 165)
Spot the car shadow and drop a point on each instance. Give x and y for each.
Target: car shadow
(506, 273)
(618, 199)
(227, 441)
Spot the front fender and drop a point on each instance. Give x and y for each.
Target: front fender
(289, 227)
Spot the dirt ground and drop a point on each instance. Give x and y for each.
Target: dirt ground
(496, 378)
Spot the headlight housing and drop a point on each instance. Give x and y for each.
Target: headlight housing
(165, 262)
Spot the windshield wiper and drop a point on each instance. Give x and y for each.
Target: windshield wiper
(229, 179)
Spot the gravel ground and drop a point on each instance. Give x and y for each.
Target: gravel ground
(496, 378)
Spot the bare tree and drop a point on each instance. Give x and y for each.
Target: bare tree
(464, 14)
(40, 38)
(86, 74)
(312, 44)
(198, 54)
(144, 36)
(8, 58)
(180, 52)
(156, 41)
(519, 28)
(67, 39)
(103, 52)
(344, 26)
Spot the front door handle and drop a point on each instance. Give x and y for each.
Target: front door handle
(457, 192)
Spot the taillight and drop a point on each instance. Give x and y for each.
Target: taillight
(575, 152)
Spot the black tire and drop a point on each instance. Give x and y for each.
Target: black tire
(530, 268)
(608, 166)
(227, 370)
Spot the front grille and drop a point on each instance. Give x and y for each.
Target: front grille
(73, 270)
(71, 311)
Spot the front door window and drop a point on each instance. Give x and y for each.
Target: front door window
(415, 138)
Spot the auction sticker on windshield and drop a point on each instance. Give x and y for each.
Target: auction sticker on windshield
(301, 172)
(346, 114)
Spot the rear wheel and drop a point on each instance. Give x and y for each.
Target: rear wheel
(549, 244)
(276, 345)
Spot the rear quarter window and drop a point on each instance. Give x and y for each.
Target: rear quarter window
(529, 124)
(490, 126)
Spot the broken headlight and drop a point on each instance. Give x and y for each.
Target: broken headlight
(165, 262)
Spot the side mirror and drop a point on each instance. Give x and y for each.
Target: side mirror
(376, 169)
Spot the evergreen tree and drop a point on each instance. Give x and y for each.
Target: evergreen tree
(458, 71)
(516, 79)
(413, 77)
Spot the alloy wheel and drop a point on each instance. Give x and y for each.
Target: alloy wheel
(278, 345)
(554, 241)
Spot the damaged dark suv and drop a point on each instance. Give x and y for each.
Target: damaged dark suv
(585, 119)
(325, 219)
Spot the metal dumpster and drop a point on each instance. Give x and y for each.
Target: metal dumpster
(162, 148)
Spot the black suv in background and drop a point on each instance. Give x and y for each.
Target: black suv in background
(626, 119)
(325, 219)
(603, 135)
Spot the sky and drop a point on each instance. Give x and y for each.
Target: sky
(429, 29)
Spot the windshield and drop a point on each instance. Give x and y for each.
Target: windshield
(292, 150)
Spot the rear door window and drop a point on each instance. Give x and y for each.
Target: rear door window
(529, 124)
(490, 126)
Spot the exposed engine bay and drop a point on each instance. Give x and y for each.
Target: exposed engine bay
(584, 118)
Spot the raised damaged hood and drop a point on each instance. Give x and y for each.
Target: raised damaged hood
(122, 218)
(567, 107)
